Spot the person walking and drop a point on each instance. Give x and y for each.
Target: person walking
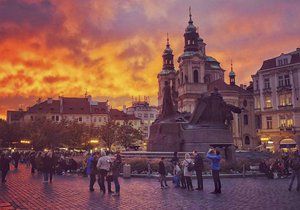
(295, 166)
(32, 162)
(116, 169)
(162, 173)
(188, 168)
(198, 165)
(4, 166)
(91, 170)
(16, 158)
(215, 157)
(103, 166)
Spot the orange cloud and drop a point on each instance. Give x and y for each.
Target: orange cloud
(112, 49)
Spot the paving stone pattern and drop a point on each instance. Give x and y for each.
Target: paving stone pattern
(26, 191)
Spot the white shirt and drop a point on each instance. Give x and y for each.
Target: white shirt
(185, 164)
(104, 163)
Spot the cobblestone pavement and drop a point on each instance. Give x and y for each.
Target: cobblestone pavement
(26, 191)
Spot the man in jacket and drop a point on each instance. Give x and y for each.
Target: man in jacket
(198, 166)
(92, 170)
(215, 157)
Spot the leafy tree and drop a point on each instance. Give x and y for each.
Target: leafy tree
(107, 133)
(127, 135)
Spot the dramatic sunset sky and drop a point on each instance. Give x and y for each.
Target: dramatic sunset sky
(112, 48)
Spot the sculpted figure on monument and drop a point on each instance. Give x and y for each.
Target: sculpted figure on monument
(213, 110)
(167, 106)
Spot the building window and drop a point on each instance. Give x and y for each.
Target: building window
(267, 83)
(151, 115)
(280, 62)
(145, 115)
(289, 121)
(186, 78)
(268, 102)
(257, 102)
(245, 119)
(285, 99)
(285, 61)
(140, 115)
(287, 80)
(257, 85)
(80, 119)
(53, 118)
(95, 119)
(258, 121)
(269, 122)
(195, 76)
(99, 119)
(247, 140)
(57, 118)
(280, 81)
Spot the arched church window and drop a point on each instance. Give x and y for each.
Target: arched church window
(196, 76)
(186, 78)
(247, 140)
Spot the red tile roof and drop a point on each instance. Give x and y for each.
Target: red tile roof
(271, 63)
(116, 114)
(221, 85)
(70, 106)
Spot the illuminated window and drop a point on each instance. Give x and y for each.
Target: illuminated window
(285, 99)
(268, 102)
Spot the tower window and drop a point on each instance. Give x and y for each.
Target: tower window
(247, 140)
(195, 76)
(189, 42)
(245, 119)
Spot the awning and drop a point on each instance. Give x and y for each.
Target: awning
(288, 143)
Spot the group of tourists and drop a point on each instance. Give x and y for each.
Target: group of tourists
(105, 168)
(183, 170)
(282, 168)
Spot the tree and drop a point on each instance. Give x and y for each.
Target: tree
(107, 133)
(127, 135)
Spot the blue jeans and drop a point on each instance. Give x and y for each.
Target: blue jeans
(117, 184)
(176, 180)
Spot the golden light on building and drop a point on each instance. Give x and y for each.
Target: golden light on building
(25, 141)
(264, 139)
(94, 141)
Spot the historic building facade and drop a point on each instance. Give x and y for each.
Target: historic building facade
(199, 74)
(81, 110)
(145, 112)
(276, 91)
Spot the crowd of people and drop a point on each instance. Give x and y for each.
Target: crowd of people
(183, 170)
(105, 168)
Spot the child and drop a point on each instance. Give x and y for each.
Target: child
(162, 173)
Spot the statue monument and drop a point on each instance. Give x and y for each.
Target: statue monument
(208, 126)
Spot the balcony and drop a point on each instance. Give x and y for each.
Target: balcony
(286, 88)
(287, 128)
(267, 90)
(285, 107)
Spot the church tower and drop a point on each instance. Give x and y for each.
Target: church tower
(190, 77)
(167, 74)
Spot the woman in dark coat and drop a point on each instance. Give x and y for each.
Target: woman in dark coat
(116, 169)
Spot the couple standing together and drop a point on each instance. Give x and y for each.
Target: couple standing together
(106, 168)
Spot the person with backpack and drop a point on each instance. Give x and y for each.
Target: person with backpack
(162, 173)
(198, 169)
(188, 168)
(215, 157)
(295, 166)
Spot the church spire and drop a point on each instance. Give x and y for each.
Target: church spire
(168, 63)
(231, 75)
(190, 14)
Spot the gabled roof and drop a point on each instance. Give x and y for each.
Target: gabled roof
(221, 86)
(75, 106)
(271, 63)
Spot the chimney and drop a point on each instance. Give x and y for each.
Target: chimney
(49, 101)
